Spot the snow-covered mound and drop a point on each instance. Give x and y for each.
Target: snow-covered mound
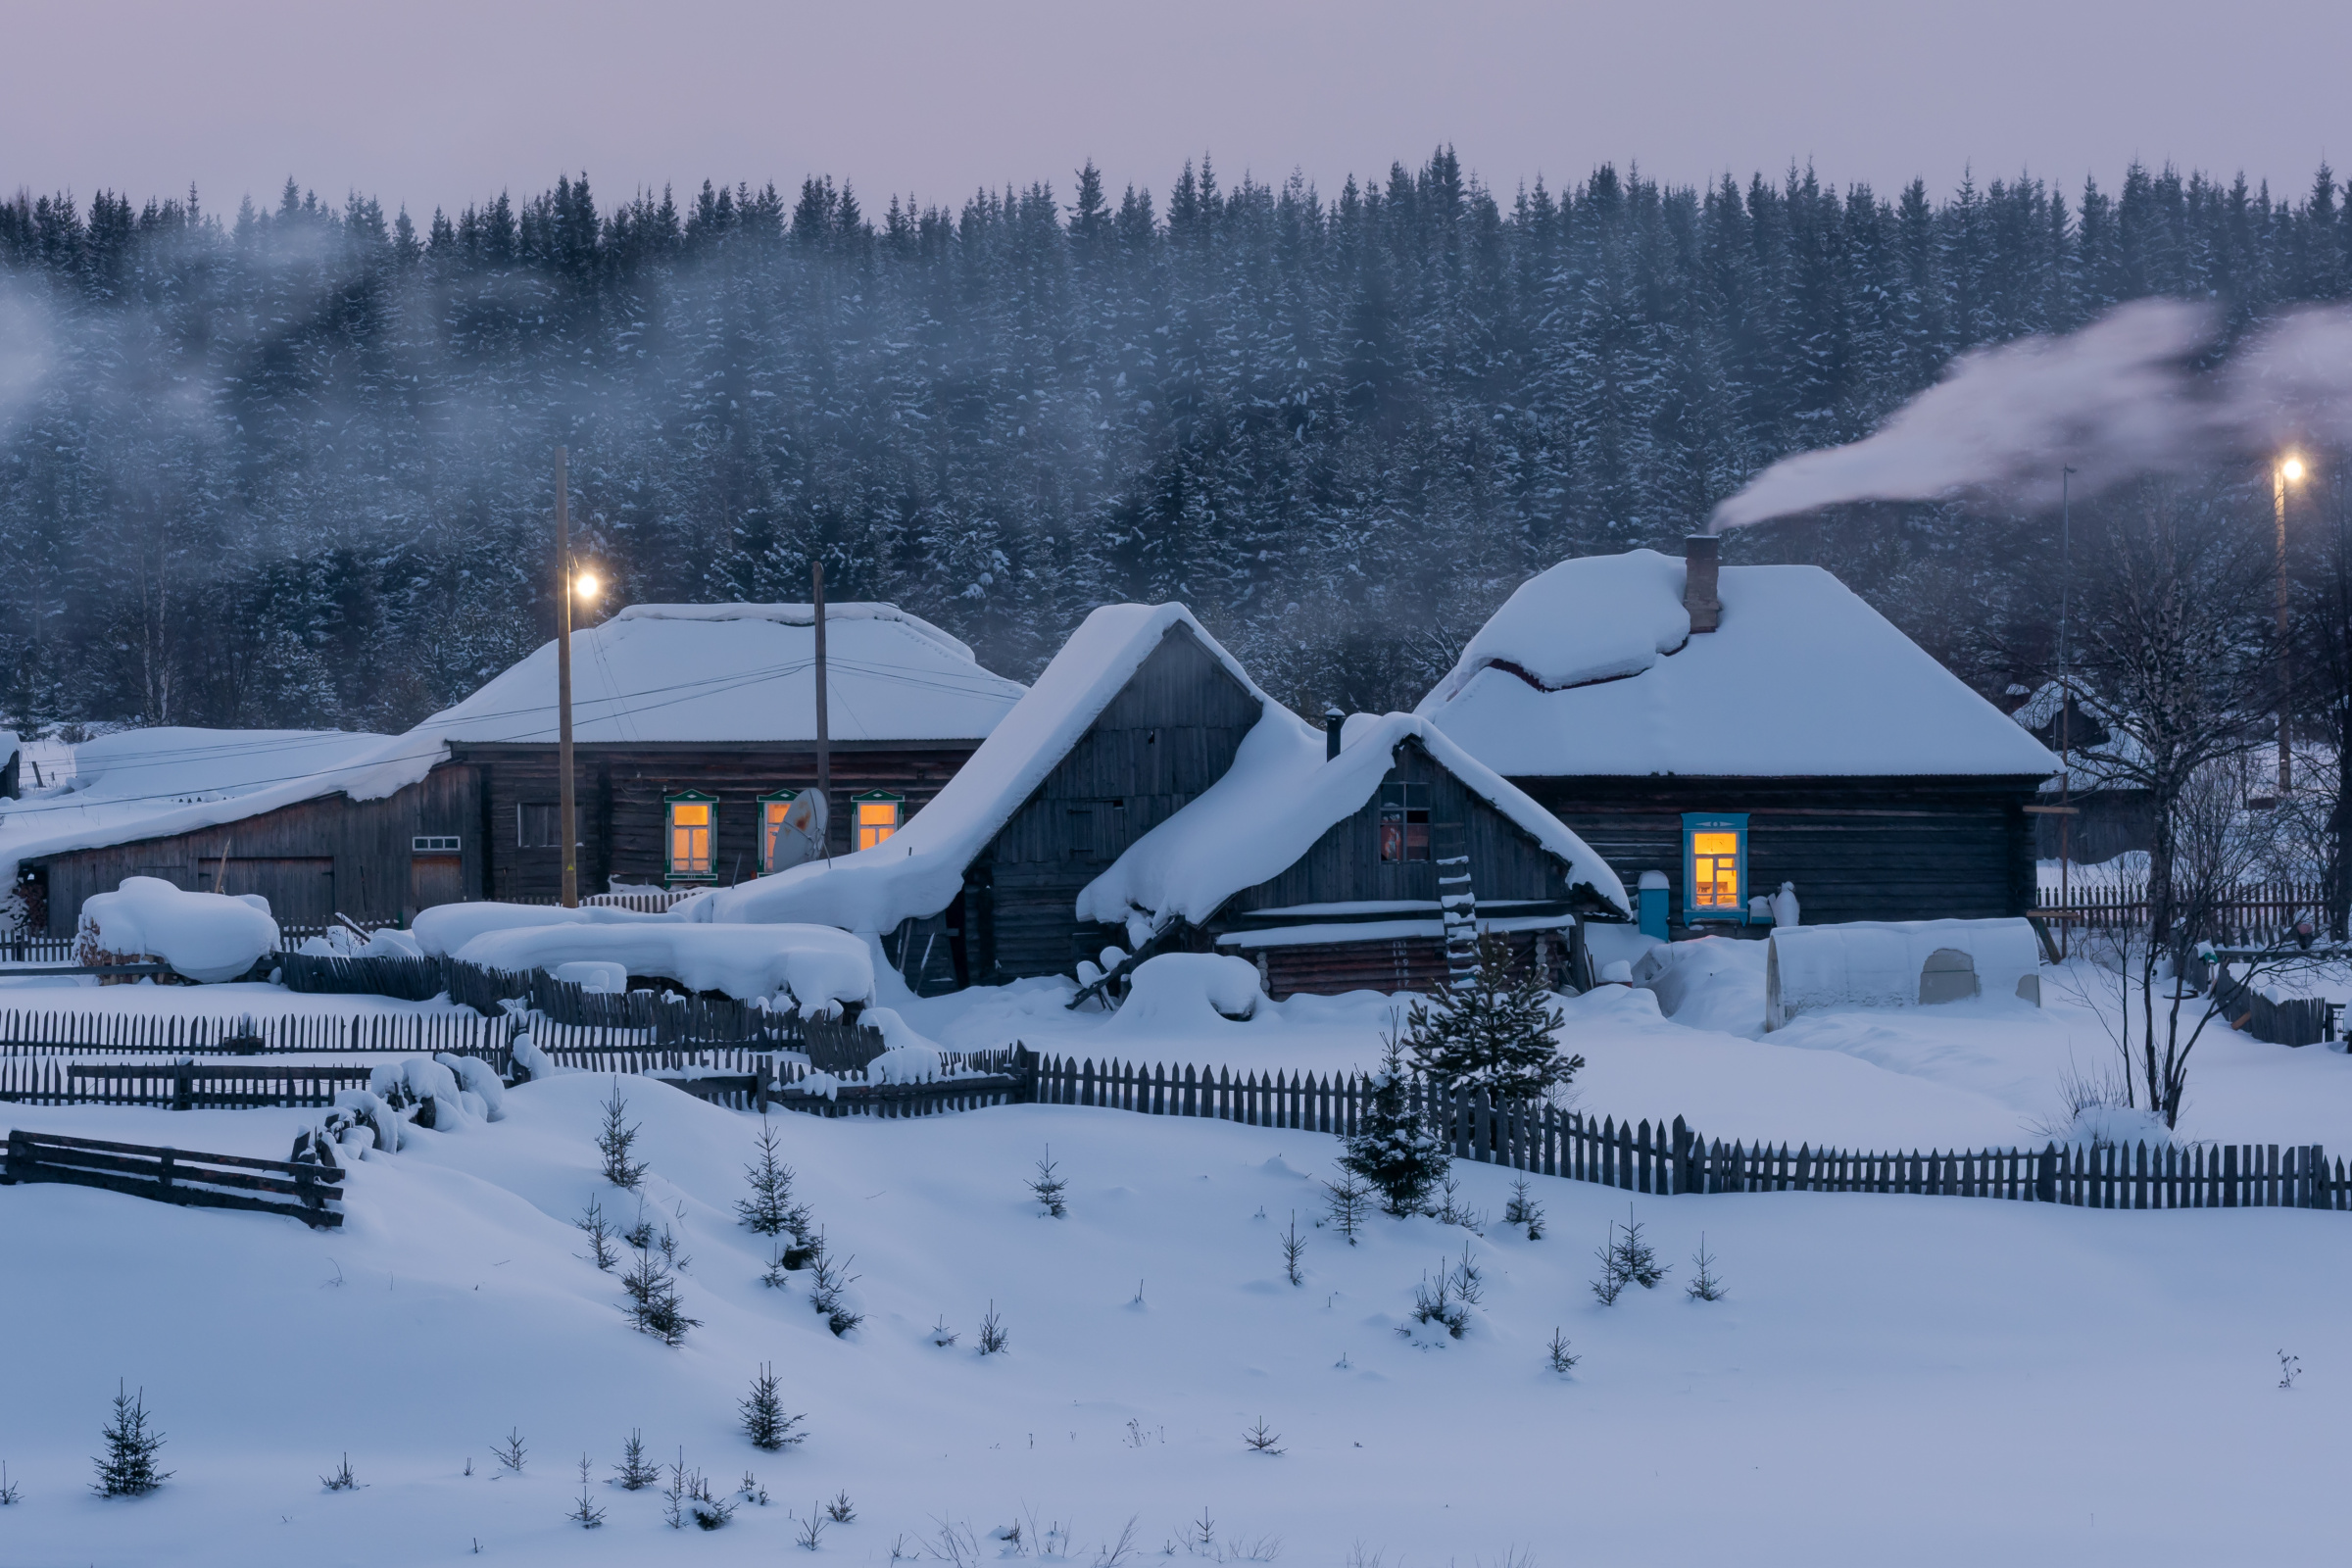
(203, 936)
(819, 966)
(1183, 991)
(1710, 982)
(443, 929)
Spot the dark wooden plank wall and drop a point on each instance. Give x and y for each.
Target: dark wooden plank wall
(366, 844)
(1857, 848)
(1345, 865)
(1170, 733)
(620, 791)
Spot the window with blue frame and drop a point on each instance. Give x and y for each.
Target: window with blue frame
(1714, 866)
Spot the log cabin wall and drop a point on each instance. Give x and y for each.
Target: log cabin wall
(619, 793)
(312, 860)
(1170, 733)
(1857, 848)
(1344, 865)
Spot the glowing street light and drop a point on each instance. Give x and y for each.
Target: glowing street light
(2291, 470)
(586, 585)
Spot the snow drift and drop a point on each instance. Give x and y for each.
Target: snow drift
(203, 936)
(443, 929)
(819, 966)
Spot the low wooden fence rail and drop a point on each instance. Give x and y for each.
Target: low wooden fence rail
(2254, 910)
(1667, 1158)
(133, 1034)
(293, 1188)
(175, 1085)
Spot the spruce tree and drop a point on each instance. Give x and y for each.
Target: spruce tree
(1493, 1034)
(1393, 1146)
(770, 1210)
(128, 1467)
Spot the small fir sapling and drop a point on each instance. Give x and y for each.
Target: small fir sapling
(992, 1337)
(1450, 1209)
(128, 1467)
(752, 1490)
(1346, 1202)
(509, 1453)
(1393, 1148)
(840, 1510)
(1635, 1258)
(1523, 1210)
(655, 1306)
(1563, 1361)
(775, 1276)
(763, 1419)
(833, 1277)
(614, 1141)
(1492, 1035)
(1047, 1187)
(1611, 1283)
(1469, 1280)
(342, 1479)
(2290, 1368)
(669, 1243)
(1439, 1303)
(633, 1473)
(769, 1209)
(11, 1493)
(1706, 1286)
(812, 1528)
(1261, 1441)
(602, 1250)
(640, 1233)
(1293, 1248)
(941, 1334)
(587, 1515)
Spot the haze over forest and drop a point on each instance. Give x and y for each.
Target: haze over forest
(293, 466)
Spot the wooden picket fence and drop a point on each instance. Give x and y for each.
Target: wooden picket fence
(296, 1187)
(175, 1085)
(2253, 912)
(131, 1034)
(1668, 1158)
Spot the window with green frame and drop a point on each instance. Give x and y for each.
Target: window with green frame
(879, 816)
(1714, 866)
(691, 836)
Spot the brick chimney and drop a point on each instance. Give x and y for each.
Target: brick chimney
(1333, 719)
(1701, 556)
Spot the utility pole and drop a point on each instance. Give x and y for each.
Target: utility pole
(565, 804)
(824, 741)
(2066, 696)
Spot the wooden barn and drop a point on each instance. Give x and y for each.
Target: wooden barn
(695, 732)
(1718, 731)
(1147, 795)
(1366, 859)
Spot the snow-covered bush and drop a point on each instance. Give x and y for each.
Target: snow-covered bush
(1190, 989)
(1493, 1034)
(1394, 1147)
(203, 936)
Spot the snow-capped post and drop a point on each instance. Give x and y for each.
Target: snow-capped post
(565, 805)
(824, 742)
(1333, 721)
(1702, 559)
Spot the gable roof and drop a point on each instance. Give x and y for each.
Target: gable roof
(743, 672)
(1589, 669)
(919, 869)
(1280, 797)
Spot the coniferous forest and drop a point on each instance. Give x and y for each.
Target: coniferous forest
(294, 465)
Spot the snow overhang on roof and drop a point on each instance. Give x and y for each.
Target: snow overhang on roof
(683, 673)
(919, 870)
(1590, 670)
(1282, 795)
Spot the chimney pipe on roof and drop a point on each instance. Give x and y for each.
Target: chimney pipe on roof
(1333, 719)
(1701, 553)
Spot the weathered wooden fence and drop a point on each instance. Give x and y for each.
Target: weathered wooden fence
(175, 1085)
(1668, 1158)
(2252, 913)
(178, 1176)
(132, 1034)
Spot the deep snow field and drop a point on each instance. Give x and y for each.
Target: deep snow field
(1891, 1379)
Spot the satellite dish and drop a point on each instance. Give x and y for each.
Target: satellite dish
(802, 834)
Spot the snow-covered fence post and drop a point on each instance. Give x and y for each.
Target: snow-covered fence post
(2045, 1177)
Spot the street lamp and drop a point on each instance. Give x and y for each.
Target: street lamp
(2289, 470)
(587, 587)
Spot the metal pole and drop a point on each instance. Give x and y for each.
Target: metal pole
(824, 741)
(565, 804)
(2286, 682)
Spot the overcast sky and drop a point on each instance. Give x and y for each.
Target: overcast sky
(441, 102)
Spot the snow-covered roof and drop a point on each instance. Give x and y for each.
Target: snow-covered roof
(743, 672)
(1591, 669)
(919, 869)
(150, 783)
(1280, 796)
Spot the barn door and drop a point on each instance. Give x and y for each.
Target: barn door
(435, 879)
(300, 888)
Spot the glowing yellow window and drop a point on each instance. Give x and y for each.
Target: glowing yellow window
(877, 817)
(693, 835)
(1715, 871)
